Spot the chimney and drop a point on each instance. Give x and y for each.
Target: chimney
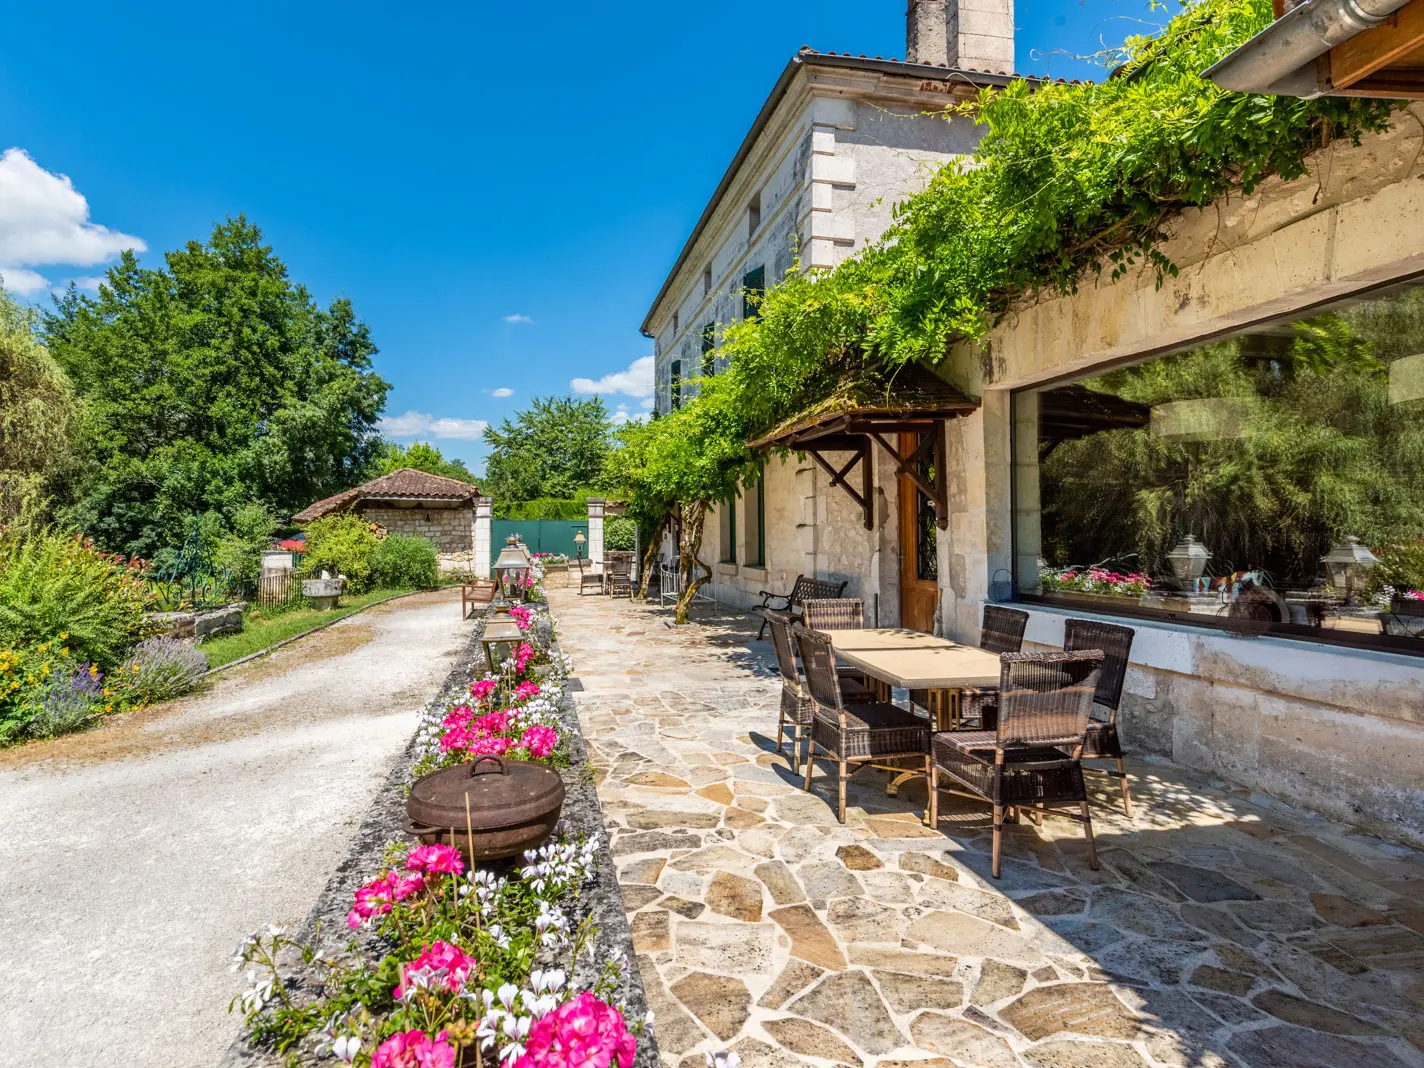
(968, 34)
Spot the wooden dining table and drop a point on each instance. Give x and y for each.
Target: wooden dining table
(891, 656)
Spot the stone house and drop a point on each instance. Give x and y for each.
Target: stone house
(440, 510)
(953, 486)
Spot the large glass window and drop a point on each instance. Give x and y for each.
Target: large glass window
(1272, 482)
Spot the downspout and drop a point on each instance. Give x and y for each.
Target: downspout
(1280, 60)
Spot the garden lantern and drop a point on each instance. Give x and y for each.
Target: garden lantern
(1188, 560)
(1349, 564)
(501, 640)
(579, 541)
(511, 570)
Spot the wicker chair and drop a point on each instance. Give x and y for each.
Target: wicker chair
(619, 575)
(840, 613)
(1102, 741)
(860, 734)
(1002, 632)
(796, 707)
(1033, 757)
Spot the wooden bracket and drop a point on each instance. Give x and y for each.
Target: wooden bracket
(860, 454)
(932, 447)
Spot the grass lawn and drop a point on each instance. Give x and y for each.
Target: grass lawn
(262, 632)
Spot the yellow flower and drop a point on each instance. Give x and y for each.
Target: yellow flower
(64, 636)
(64, 650)
(108, 708)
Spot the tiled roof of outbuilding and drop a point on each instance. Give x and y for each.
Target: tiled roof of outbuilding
(405, 484)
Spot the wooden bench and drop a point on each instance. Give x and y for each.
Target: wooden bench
(473, 595)
(802, 590)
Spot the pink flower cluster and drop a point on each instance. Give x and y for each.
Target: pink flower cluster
(583, 1032)
(496, 733)
(522, 656)
(526, 691)
(541, 741)
(482, 690)
(451, 960)
(414, 1049)
(523, 617)
(380, 895)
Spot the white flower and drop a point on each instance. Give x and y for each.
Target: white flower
(723, 1060)
(346, 1048)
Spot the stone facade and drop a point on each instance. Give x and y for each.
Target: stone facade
(450, 530)
(1336, 729)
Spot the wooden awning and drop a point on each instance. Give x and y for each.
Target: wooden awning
(864, 407)
(1071, 412)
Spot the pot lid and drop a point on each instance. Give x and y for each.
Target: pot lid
(502, 793)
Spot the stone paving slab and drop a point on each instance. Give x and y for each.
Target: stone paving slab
(1221, 929)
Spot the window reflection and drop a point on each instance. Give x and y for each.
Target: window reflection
(1273, 481)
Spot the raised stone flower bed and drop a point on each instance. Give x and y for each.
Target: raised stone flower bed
(599, 901)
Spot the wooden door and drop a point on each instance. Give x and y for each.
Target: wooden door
(919, 560)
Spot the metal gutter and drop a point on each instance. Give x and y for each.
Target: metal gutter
(778, 93)
(1280, 60)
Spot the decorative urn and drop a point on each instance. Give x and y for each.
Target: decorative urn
(487, 809)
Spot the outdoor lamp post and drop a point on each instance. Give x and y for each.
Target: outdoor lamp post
(500, 640)
(512, 569)
(1349, 565)
(1188, 560)
(579, 541)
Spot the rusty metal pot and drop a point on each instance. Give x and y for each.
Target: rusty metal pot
(513, 805)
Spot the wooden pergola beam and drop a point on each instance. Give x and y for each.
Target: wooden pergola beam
(1377, 48)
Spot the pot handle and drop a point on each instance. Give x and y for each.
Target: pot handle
(418, 829)
(475, 767)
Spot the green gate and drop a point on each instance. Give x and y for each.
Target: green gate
(541, 535)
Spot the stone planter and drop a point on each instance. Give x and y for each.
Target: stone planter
(192, 626)
(277, 560)
(323, 592)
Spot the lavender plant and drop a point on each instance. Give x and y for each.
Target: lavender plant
(163, 668)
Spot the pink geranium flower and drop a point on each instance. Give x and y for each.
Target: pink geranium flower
(435, 859)
(491, 723)
(489, 745)
(414, 1049)
(448, 966)
(540, 740)
(379, 896)
(526, 690)
(458, 716)
(482, 689)
(583, 1032)
(455, 738)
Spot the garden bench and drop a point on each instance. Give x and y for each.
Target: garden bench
(803, 589)
(474, 594)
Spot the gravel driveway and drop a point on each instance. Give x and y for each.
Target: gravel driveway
(134, 857)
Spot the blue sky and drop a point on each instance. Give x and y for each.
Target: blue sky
(500, 189)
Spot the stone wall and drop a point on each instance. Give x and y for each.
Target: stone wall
(1335, 729)
(450, 530)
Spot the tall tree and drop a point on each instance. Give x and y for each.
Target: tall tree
(554, 448)
(38, 413)
(211, 382)
(420, 456)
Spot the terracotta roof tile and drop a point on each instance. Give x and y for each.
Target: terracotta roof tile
(406, 483)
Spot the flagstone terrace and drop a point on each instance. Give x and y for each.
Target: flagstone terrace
(1221, 928)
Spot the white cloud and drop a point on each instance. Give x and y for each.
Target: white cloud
(624, 416)
(422, 424)
(503, 391)
(636, 381)
(517, 319)
(648, 402)
(90, 282)
(45, 220)
(23, 283)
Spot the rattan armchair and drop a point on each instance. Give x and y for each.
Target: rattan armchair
(796, 706)
(1102, 741)
(839, 613)
(1033, 757)
(619, 575)
(853, 735)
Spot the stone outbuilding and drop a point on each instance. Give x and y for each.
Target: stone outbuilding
(415, 503)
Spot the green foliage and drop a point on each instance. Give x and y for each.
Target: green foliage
(405, 563)
(420, 456)
(341, 545)
(54, 584)
(619, 532)
(38, 413)
(544, 508)
(211, 382)
(554, 448)
(239, 552)
(1069, 180)
(1311, 450)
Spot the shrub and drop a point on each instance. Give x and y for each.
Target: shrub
(406, 563)
(53, 583)
(342, 545)
(161, 669)
(45, 690)
(620, 532)
(240, 552)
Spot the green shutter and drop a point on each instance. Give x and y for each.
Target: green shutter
(753, 289)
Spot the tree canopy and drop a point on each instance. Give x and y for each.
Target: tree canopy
(211, 382)
(38, 413)
(420, 456)
(554, 448)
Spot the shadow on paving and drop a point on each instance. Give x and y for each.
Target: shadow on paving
(1217, 931)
